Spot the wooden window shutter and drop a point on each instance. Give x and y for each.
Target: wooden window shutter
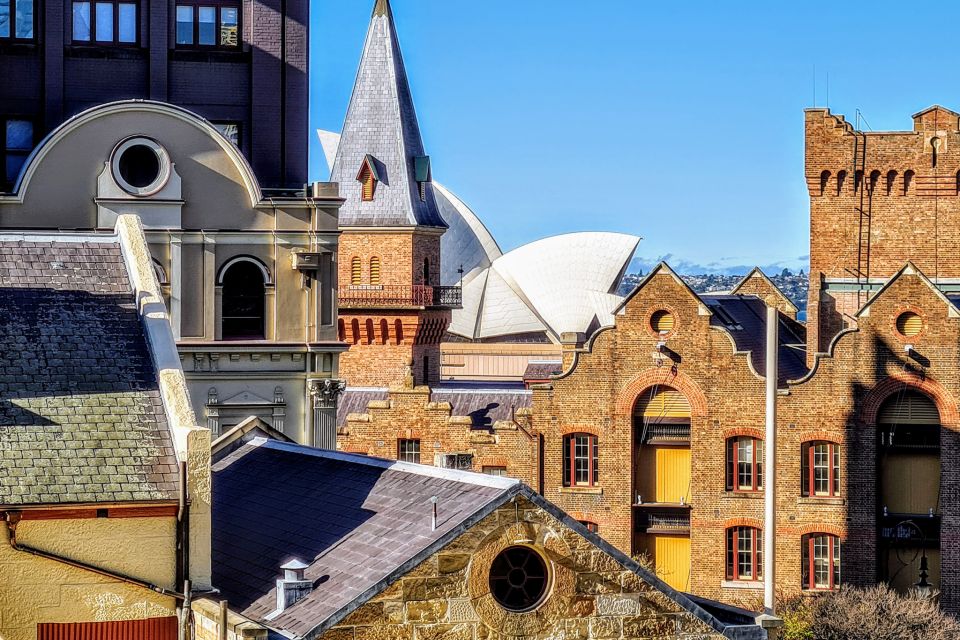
(368, 183)
(356, 271)
(909, 408)
(662, 322)
(909, 324)
(375, 271)
(663, 402)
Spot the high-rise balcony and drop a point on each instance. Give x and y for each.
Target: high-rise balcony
(400, 297)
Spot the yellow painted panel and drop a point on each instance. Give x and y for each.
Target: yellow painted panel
(645, 477)
(910, 482)
(673, 474)
(663, 402)
(671, 560)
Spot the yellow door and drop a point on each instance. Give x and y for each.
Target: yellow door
(671, 560)
(673, 475)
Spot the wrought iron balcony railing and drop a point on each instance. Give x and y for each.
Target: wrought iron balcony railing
(400, 296)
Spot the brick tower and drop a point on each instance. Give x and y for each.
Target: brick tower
(393, 312)
(877, 200)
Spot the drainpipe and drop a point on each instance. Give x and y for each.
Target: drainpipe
(13, 518)
(769, 460)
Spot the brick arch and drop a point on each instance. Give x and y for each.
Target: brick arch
(664, 377)
(742, 522)
(882, 391)
(828, 529)
(820, 436)
(752, 432)
(580, 428)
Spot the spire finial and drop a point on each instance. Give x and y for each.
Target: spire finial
(382, 8)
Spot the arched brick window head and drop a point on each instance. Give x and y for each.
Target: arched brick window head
(907, 180)
(824, 180)
(841, 178)
(243, 302)
(892, 180)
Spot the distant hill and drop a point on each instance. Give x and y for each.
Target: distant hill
(794, 285)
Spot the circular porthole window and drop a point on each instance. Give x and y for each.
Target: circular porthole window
(519, 579)
(140, 166)
(662, 322)
(909, 324)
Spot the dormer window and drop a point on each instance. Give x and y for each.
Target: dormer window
(421, 166)
(368, 178)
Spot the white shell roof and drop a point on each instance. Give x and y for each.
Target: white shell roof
(557, 285)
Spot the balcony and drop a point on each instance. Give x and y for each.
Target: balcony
(400, 297)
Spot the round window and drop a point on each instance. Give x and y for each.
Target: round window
(518, 579)
(909, 324)
(140, 166)
(662, 322)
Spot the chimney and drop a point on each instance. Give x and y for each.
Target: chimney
(294, 586)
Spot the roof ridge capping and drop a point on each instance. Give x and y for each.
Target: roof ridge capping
(757, 271)
(465, 477)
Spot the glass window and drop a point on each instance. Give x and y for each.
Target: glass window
(184, 25)
(81, 21)
(127, 23)
(207, 17)
(580, 460)
(104, 22)
(17, 144)
(495, 471)
(5, 18)
(744, 554)
(229, 27)
(820, 562)
(744, 464)
(243, 302)
(230, 131)
(24, 29)
(591, 526)
(408, 451)
(820, 473)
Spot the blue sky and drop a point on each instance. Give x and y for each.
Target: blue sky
(678, 122)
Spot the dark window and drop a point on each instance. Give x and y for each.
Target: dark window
(580, 460)
(744, 464)
(230, 130)
(106, 22)
(16, 20)
(139, 166)
(426, 370)
(591, 526)
(820, 562)
(495, 471)
(518, 579)
(243, 302)
(208, 24)
(820, 475)
(426, 271)
(16, 142)
(408, 451)
(744, 554)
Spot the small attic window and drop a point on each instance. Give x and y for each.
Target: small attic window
(368, 177)
(909, 324)
(662, 322)
(423, 173)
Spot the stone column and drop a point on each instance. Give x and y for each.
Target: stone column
(176, 287)
(325, 394)
(210, 319)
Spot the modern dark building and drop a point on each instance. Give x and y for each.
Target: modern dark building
(240, 64)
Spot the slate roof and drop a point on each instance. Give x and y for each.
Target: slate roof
(81, 417)
(382, 122)
(745, 317)
(539, 370)
(485, 403)
(360, 524)
(355, 520)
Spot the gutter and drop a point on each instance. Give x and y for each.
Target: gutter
(12, 519)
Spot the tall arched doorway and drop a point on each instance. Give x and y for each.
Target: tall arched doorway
(243, 301)
(661, 483)
(908, 479)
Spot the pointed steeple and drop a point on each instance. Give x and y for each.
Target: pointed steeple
(381, 125)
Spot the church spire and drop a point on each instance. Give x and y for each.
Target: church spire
(381, 140)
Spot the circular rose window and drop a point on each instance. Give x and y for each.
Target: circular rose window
(519, 579)
(140, 166)
(909, 324)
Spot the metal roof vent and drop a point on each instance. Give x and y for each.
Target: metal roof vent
(294, 586)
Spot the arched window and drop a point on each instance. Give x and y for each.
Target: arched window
(356, 271)
(243, 301)
(820, 561)
(891, 181)
(580, 460)
(369, 327)
(375, 270)
(744, 464)
(384, 332)
(935, 151)
(820, 469)
(841, 178)
(398, 331)
(744, 554)
(426, 271)
(907, 180)
(824, 180)
(368, 180)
